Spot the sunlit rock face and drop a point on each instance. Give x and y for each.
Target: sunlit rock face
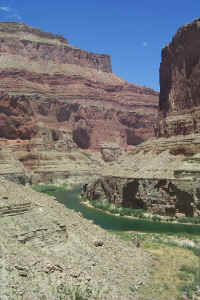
(179, 103)
(45, 82)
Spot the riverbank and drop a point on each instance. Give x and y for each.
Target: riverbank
(174, 271)
(71, 199)
(139, 214)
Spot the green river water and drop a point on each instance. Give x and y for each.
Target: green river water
(116, 223)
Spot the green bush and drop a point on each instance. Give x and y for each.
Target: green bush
(114, 210)
(156, 218)
(125, 211)
(170, 219)
(84, 199)
(139, 213)
(193, 220)
(88, 155)
(46, 189)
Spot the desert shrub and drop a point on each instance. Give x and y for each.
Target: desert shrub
(46, 189)
(170, 219)
(86, 154)
(193, 220)
(113, 210)
(101, 205)
(84, 199)
(139, 213)
(190, 277)
(125, 211)
(156, 218)
(75, 293)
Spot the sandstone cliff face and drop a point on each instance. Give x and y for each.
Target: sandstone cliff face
(179, 112)
(20, 39)
(46, 83)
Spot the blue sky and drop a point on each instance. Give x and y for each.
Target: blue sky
(131, 32)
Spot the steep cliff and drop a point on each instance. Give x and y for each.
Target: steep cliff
(162, 174)
(179, 103)
(47, 83)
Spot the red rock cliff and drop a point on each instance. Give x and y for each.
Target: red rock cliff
(45, 82)
(179, 103)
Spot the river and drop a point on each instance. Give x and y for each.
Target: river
(116, 223)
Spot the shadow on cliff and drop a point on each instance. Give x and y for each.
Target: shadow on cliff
(70, 198)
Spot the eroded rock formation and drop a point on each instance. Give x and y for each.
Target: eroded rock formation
(45, 82)
(158, 196)
(162, 174)
(179, 103)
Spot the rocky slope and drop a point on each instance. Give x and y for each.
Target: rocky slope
(46, 83)
(47, 250)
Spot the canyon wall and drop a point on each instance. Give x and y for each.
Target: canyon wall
(179, 103)
(49, 86)
(162, 174)
(20, 39)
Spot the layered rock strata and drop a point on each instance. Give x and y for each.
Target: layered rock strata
(163, 173)
(20, 39)
(179, 104)
(46, 83)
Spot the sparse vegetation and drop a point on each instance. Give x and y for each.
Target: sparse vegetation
(140, 213)
(88, 155)
(194, 220)
(75, 293)
(122, 211)
(175, 271)
(175, 268)
(190, 281)
(48, 189)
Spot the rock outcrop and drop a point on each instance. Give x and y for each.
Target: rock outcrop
(179, 104)
(45, 82)
(20, 39)
(162, 174)
(157, 196)
(110, 152)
